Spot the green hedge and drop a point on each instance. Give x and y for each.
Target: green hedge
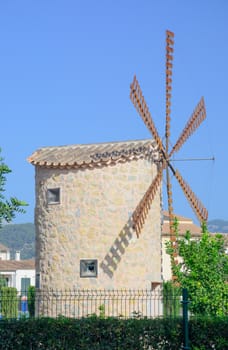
(31, 300)
(171, 299)
(96, 333)
(208, 333)
(8, 302)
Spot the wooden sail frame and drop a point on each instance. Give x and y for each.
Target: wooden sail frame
(195, 120)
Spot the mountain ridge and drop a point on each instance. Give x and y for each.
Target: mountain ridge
(19, 237)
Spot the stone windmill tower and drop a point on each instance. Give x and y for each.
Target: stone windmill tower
(85, 199)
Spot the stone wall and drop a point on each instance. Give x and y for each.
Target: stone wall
(93, 221)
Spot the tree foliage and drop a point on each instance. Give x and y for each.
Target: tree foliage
(8, 207)
(3, 282)
(202, 268)
(171, 299)
(9, 302)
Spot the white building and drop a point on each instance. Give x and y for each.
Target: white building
(17, 273)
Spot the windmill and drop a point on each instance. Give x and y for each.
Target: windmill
(165, 165)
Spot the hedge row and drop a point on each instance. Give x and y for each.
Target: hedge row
(8, 302)
(111, 334)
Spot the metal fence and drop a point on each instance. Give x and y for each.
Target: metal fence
(104, 303)
(79, 303)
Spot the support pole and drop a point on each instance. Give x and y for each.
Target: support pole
(185, 319)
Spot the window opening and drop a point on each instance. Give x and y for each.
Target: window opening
(88, 268)
(53, 195)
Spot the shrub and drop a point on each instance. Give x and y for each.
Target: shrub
(171, 299)
(9, 302)
(95, 333)
(92, 333)
(31, 300)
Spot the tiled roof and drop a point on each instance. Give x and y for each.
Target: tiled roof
(92, 155)
(3, 248)
(183, 227)
(194, 229)
(184, 224)
(13, 265)
(179, 217)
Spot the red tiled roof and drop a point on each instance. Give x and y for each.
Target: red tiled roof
(92, 155)
(194, 229)
(13, 265)
(179, 217)
(185, 224)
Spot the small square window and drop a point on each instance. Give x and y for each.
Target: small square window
(88, 268)
(53, 195)
(37, 280)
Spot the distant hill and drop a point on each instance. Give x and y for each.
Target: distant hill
(218, 225)
(19, 237)
(22, 236)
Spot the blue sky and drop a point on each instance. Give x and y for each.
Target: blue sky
(65, 71)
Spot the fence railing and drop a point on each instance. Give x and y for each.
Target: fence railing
(104, 303)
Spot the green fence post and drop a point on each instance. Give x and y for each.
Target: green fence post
(185, 319)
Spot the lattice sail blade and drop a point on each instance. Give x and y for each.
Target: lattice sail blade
(197, 206)
(142, 209)
(172, 232)
(169, 66)
(197, 117)
(170, 205)
(139, 102)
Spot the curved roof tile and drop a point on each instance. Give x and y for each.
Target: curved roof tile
(92, 154)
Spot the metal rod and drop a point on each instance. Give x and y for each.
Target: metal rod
(190, 159)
